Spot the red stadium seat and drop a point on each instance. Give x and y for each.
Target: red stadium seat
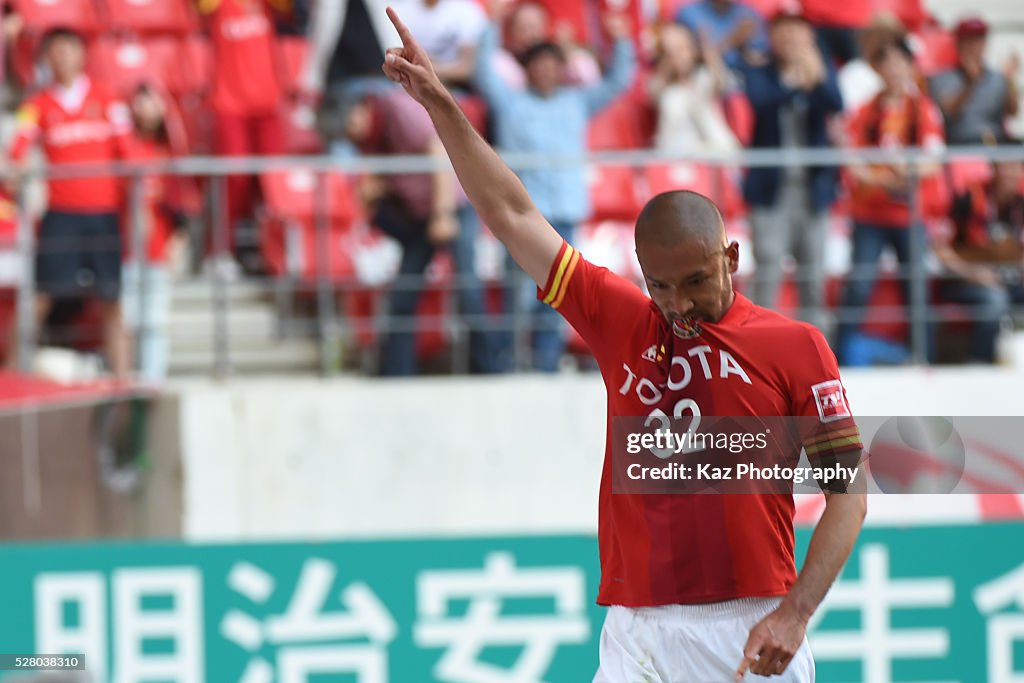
(289, 240)
(149, 16)
(617, 126)
(964, 173)
(292, 194)
(475, 109)
(125, 64)
(709, 181)
(936, 50)
(571, 12)
(40, 15)
(613, 193)
(301, 136)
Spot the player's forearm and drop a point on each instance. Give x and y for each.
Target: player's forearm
(830, 547)
(443, 185)
(489, 183)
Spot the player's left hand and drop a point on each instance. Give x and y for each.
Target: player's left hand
(772, 643)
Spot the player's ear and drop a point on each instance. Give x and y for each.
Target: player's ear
(732, 256)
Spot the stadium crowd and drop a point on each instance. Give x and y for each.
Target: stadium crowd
(104, 80)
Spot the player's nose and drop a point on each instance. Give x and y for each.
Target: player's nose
(680, 305)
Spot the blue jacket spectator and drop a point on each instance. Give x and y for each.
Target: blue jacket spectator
(549, 117)
(792, 97)
(555, 122)
(733, 26)
(768, 94)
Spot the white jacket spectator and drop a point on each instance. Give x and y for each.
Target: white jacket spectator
(687, 94)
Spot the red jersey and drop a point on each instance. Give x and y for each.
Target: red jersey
(84, 122)
(697, 548)
(246, 80)
(914, 121)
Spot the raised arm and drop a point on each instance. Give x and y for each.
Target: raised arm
(621, 71)
(494, 190)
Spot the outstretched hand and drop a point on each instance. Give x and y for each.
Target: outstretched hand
(409, 65)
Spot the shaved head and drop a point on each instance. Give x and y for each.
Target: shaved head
(685, 257)
(679, 216)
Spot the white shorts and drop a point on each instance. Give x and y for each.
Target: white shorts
(688, 644)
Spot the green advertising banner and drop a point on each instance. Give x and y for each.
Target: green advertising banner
(914, 604)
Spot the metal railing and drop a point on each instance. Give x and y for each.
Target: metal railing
(330, 327)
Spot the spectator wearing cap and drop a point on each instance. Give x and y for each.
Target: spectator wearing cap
(78, 250)
(793, 97)
(548, 117)
(737, 29)
(425, 212)
(975, 100)
(984, 254)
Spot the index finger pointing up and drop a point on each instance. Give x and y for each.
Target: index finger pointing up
(403, 31)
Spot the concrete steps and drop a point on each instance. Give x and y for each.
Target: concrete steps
(256, 343)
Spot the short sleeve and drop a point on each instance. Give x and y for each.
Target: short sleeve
(598, 303)
(817, 391)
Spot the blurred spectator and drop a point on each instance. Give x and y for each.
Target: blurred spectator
(836, 24)
(550, 118)
(147, 278)
(529, 23)
(348, 42)
(247, 94)
(737, 30)
(858, 82)
(975, 100)
(687, 87)
(449, 30)
(900, 116)
(985, 254)
(79, 241)
(424, 212)
(793, 98)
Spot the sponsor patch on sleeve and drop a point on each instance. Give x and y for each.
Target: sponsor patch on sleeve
(831, 400)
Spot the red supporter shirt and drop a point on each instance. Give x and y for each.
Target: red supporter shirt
(246, 79)
(887, 125)
(84, 122)
(684, 549)
(158, 226)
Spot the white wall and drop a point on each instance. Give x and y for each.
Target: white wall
(352, 457)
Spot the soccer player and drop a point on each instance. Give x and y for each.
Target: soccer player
(700, 588)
